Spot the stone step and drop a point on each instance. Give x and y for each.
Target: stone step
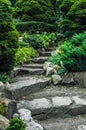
(27, 71)
(39, 60)
(30, 71)
(71, 123)
(54, 107)
(44, 53)
(49, 49)
(24, 85)
(33, 66)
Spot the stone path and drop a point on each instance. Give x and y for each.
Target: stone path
(55, 107)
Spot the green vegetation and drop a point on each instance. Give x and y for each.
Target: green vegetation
(35, 10)
(35, 27)
(4, 77)
(2, 108)
(24, 55)
(73, 16)
(16, 124)
(38, 41)
(8, 38)
(72, 54)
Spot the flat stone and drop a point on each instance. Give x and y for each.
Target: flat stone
(4, 122)
(61, 101)
(33, 65)
(26, 86)
(35, 104)
(39, 60)
(79, 101)
(30, 71)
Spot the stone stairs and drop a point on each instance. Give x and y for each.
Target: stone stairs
(55, 107)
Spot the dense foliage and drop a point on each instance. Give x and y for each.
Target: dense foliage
(35, 10)
(73, 16)
(16, 124)
(24, 55)
(8, 37)
(35, 26)
(72, 53)
(38, 41)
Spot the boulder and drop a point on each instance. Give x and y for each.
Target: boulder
(56, 79)
(4, 122)
(25, 115)
(80, 78)
(49, 71)
(46, 65)
(68, 79)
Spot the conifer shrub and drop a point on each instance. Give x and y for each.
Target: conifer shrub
(72, 54)
(8, 37)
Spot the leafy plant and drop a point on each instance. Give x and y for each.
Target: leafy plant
(16, 124)
(24, 55)
(4, 77)
(2, 108)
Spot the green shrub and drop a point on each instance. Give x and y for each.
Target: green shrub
(8, 37)
(35, 10)
(4, 77)
(16, 124)
(24, 55)
(2, 108)
(34, 41)
(72, 53)
(35, 27)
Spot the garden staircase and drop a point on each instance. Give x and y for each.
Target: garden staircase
(55, 107)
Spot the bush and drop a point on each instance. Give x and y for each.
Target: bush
(24, 55)
(8, 37)
(16, 124)
(2, 108)
(34, 41)
(35, 10)
(35, 27)
(72, 53)
(4, 77)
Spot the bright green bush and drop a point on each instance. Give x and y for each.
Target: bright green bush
(2, 108)
(24, 55)
(34, 27)
(8, 37)
(72, 53)
(35, 10)
(16, 124)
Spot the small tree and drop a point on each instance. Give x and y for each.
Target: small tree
(8, 37)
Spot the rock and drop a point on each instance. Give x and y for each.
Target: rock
(46, 65)
(79, 127)
(61, 101)
(10, 107)
(56, 79)
(49, 71)
(68, 79)
(4, 122)
(25, 115)
(80, 78)
(1, 84)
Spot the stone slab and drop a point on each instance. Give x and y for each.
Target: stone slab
(24, 87)
(61, 101)
(79, 101)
